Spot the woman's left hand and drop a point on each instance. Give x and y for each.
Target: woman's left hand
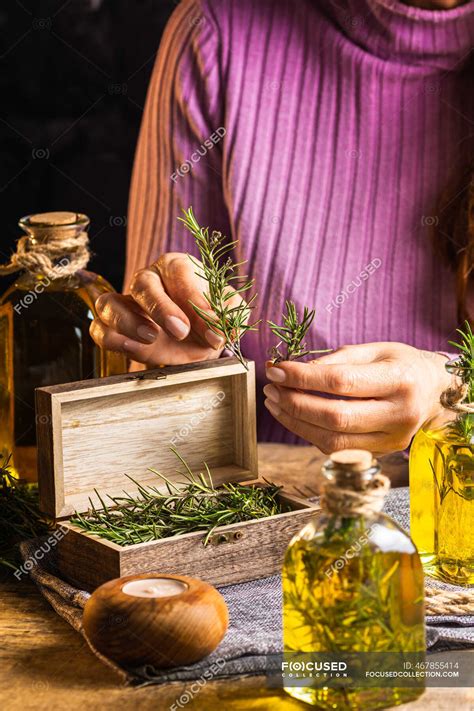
(389, 391)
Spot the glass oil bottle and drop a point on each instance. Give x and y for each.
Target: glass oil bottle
(44, 337)
(352, 582)
(442, 479)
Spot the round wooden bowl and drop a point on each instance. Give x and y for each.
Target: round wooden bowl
(170, 630)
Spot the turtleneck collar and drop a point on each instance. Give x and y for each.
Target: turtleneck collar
(391, 30)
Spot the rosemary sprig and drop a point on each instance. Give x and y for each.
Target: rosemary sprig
(292, 334)
(20, 517)
(463, 425)
(193, 505)
(466, 356)
(224, 282)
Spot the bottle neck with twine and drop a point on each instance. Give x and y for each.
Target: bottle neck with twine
(56, 245)
(458, 397)
(354, 484)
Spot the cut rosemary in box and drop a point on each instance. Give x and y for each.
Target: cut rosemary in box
(195, 505)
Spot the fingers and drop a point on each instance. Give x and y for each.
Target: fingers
(123, 315)
(111, 340)
(149, 325)
(185, 288)
(379, 379)
(164, 351)
(148, 291)
(358, 354)
(328, 441)
(353, 416)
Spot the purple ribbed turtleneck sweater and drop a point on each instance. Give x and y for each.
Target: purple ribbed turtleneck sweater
(343, 123)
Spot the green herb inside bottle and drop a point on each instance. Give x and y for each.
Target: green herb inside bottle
(352, 582)
(442, 477)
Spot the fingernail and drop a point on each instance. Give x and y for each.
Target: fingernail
(214, 339)
(176, 327)
(272, 407)
(146, 334)
(276, 374)
(131, 346)
(272, 393)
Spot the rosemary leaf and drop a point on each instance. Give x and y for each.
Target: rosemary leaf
(466, 356)
(291, 334)
(197, 506)
(223, 283)
(20, 517)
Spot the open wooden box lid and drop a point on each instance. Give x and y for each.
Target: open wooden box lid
(93, 432)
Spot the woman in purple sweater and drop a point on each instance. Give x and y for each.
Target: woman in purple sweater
(320, 135)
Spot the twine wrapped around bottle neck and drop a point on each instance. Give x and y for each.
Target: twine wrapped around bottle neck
(40, 251)
(452, 399)
(356, 489)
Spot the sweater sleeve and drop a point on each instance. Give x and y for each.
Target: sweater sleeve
(179, 155)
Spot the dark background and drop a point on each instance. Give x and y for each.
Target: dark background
(73, 77)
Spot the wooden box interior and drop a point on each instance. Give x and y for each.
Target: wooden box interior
(92, 433)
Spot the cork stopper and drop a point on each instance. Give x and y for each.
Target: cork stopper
(45, 226)
(352, 468)
(354, 460)
(56, 245)
(48, 219)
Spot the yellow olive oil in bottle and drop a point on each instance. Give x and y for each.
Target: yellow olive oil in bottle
(352, 583)
(44, 327)
(442, 479)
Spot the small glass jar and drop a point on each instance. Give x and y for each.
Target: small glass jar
(44, 338)
(442, 488)
(352, 583)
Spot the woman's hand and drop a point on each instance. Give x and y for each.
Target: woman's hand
(156, 323)
(390, 390)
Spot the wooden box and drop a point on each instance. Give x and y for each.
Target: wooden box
(91, 433)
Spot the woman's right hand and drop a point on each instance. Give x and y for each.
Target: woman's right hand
(156, 324)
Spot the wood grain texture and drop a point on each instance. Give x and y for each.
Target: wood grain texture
(90, 434)
(245, 420)
(242, 551)
(45, 665)
(81, 557)
(165, 632)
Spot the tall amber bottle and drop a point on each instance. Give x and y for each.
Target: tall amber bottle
(352, 583)
(44, 328)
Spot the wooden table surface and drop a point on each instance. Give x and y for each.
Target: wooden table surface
(44, 664)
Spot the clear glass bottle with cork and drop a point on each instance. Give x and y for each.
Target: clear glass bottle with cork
(44, 326)
(352, 583)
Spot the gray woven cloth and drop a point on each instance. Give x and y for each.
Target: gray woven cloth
(255, 618)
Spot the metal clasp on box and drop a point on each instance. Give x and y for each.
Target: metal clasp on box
(147, 376)
(228, 537)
